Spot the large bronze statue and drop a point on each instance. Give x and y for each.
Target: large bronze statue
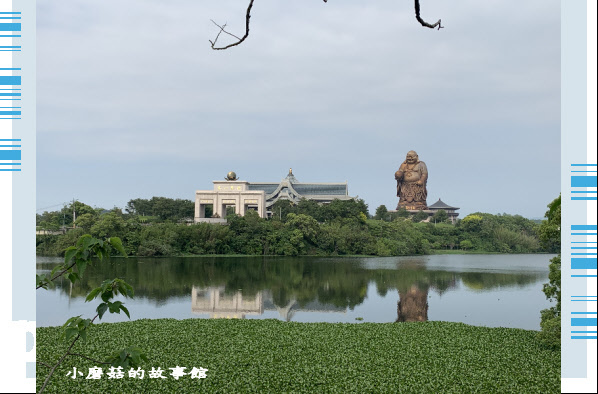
(412, 177)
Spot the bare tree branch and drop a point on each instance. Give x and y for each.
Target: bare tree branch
(240, 40)
(423, 22)
(248, 16)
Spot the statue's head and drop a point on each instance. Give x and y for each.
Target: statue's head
(411, 157)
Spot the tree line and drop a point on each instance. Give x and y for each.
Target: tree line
(160, 227)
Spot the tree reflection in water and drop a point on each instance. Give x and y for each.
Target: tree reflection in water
(291, 284)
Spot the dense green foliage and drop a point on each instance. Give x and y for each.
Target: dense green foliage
(156, 209)
(274, 356)
(162, 207)
(307, 228)
(550, 235)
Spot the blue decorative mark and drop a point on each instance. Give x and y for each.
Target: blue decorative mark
(584, 181)
(584, 227)
(10, 80)
(10, 154)
(10, 27)
(583, 321)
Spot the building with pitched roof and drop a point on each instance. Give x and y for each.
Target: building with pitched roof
(441, 205)
(260, 196)
(291, 189)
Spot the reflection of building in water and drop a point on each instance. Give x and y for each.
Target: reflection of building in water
(412, 305)
(218, 304)
(288, 311)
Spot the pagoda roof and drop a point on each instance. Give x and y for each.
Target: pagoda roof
(440, 205)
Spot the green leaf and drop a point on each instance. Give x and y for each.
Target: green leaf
(81, 264)
(56, 269)
(106, 295)
(93, 294)
(118, 245)
(122, 307)
(114, 306)
(101, 309)
(135, 358)
(68, 255)
(70, 332)
(70, 320)
(84, 242)
(41, 280)
(100, 253)
(73, 277)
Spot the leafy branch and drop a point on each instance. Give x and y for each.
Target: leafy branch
(248, 17)
(79, 257)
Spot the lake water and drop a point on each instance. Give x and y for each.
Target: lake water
(482, 290)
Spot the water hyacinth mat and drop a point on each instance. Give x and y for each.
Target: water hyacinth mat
(276, 356)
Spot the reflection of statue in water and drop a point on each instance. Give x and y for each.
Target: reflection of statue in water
(412, 177)
(412, 305)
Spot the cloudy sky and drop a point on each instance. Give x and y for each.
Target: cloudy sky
(132, 102)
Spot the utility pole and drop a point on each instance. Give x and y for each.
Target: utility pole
(74, 214)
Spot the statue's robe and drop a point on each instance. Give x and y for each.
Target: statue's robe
(408, 190)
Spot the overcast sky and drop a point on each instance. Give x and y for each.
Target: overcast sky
(132, 102)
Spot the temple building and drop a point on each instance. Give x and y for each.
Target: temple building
(291, 189)
(260, 196)
(451, 211)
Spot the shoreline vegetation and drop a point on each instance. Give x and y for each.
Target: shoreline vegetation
(161, 227)
(275, 356)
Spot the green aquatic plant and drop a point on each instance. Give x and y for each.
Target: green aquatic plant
(275, 356)
(76, 260)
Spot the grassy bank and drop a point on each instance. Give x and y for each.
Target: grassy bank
(274, 356)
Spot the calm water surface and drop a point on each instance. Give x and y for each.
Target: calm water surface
(483, 290)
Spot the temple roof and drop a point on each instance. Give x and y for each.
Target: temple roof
(290, 177)
(291, 188)
(305, 189)
(440, 205)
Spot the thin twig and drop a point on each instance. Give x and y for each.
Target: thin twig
(56, 365)
(240, 40)
(44, 364)
(423, 22)
(68, 351)
(223, 31)
(59, 275)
